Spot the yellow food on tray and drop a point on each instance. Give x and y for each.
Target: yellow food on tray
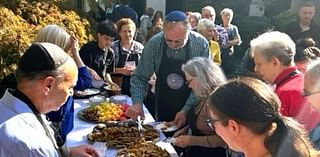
(105, 111)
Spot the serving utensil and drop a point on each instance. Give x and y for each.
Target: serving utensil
(139, 121)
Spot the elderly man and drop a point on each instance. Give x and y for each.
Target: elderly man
(45, 76)
(273, 58)
(304, 27)
(163, 55)
(221, 35)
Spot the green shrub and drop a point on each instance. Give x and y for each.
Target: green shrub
(21, 20)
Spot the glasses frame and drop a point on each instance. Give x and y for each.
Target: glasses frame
(210, 122)
(188, 81)
(179, 42)
(307, 93)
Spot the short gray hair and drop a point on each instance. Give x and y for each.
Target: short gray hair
(211, 10)
(58, 73)
(275, 44)
(54, 34)
(313, 74)
(209, 75)
(227, 10)
(205, 24)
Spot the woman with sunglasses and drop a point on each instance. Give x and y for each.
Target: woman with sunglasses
(202, 76)
(245, 114)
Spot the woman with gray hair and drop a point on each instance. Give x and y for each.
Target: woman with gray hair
(202, 76)
(233, 40)
(206, 28)
(63, 119)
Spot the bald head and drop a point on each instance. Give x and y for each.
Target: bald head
(208, 12)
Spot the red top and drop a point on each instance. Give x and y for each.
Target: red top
(289, 85)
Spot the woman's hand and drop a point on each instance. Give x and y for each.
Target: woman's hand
(182, 141)
(182, 131)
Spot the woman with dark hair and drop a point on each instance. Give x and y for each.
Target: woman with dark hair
(245, 114)
(305, 56)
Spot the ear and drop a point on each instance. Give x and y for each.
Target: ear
(276, 62)
(47, 84)
(234, 127)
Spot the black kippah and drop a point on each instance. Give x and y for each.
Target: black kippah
(42, 57)
(176, 16)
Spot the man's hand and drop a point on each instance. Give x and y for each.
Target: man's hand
(134, 111)
(182, 141)
(180, 119)
(83, 151)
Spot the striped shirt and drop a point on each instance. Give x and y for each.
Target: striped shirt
(151, 59)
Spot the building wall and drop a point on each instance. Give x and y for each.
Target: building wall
(157, 5)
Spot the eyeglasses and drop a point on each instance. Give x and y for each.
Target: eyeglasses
(207, 16)
(210, 122)
(188, 81)
(307, 93)
(178, 42)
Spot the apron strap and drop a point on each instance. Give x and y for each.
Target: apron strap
(63, 151)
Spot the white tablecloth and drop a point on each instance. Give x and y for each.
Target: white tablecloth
(81, 128)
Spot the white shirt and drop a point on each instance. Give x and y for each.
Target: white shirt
(21, 133)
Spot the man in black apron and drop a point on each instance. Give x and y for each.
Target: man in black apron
(163, 55)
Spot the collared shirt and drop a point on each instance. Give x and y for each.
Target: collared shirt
(21, 133)
(136, 48)
(151, 58)
(289, 89)
(295, 32)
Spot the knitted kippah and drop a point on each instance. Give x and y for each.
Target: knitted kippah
(176, 16)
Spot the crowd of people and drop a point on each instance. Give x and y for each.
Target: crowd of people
(178, 68)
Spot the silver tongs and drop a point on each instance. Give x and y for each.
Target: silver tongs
(140, 125)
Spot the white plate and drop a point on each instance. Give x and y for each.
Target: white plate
(119, 99)
(166, 126)
(87, 92)
(109, 87)
(170, 140)
(97, 99)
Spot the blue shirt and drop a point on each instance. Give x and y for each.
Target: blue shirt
(21, 133)
(65, 114)
(315, 136)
